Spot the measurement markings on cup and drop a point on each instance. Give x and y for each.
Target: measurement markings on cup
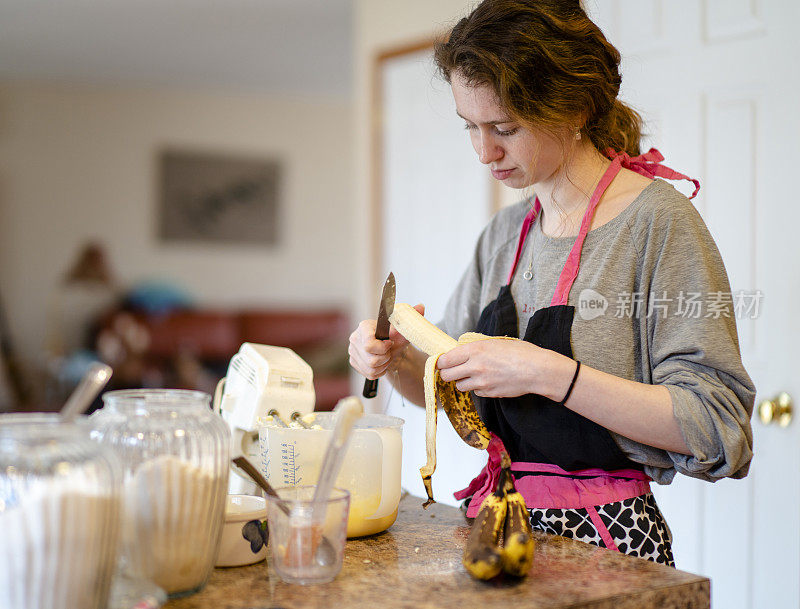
(289, 464)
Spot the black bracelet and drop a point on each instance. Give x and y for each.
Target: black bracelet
(572, 384)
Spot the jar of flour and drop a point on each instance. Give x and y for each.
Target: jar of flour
(59, 514)
(175, 455)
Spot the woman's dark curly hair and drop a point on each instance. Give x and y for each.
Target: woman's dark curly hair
(550, 66)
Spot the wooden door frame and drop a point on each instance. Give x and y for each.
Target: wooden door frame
(376, 150)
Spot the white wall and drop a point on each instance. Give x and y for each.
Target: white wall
(79, 162)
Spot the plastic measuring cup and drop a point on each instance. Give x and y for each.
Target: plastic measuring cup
(370, 471)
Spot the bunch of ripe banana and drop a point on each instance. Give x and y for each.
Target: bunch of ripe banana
(458, 405)
(500, 538)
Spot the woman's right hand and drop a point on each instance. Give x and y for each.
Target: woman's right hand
(372, 357)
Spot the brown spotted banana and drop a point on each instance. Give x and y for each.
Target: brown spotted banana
(501, 537)
(483, 555)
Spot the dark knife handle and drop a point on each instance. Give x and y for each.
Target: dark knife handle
(370, 388)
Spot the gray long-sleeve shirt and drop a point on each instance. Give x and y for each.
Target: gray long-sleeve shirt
(653, 305)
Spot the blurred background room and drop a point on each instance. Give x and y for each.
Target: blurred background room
(114, 114)
(181, 176)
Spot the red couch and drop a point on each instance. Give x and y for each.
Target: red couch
(209, 338)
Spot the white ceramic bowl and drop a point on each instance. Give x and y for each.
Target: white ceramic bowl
(244, 536)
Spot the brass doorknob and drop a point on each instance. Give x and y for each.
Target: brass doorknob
(777, 409)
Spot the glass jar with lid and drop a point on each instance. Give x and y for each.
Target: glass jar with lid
(59, 514)
(175, 455)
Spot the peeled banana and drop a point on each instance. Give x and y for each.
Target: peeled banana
(458, 405)
(421, 333)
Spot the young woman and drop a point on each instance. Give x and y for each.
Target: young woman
(627, 368)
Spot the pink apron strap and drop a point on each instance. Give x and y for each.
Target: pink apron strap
(602, 529)
(570, 270)
(485, 482)
(576, 490)
(649, 165)
(555, 488)
(526, 227)
(585, 489)
(549, 468)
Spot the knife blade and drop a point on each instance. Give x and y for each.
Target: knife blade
(382, 327)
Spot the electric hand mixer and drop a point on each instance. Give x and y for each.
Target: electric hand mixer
(261, 380)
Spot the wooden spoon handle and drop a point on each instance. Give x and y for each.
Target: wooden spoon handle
(251, 471)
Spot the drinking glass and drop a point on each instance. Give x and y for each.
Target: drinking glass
(307, 550)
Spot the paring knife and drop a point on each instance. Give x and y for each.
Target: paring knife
(382, 328)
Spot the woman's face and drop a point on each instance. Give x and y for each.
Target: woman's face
(516, 156)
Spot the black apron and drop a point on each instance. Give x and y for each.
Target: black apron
(576, 480)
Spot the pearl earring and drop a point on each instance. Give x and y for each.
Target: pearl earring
(577, 134)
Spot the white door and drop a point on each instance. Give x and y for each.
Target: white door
(435, 200)
(718, 82)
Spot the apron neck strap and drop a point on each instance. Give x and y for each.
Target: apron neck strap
(570, 270)
(647, 164)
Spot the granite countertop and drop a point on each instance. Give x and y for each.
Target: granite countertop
(417, 564)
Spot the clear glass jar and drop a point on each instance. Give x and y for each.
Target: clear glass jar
(59, 514)
(175, 454)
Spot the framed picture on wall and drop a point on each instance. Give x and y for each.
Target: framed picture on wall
(218, 198)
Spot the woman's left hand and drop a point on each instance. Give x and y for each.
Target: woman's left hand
(498, 368)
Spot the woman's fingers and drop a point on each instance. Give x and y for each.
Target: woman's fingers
(370, 370)
(363, 339)
(368, 364)
(372, 357)
(366, 371)
(368, 355)
(467, 385)
(452, 365)
(494, 368)
(458, 373)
